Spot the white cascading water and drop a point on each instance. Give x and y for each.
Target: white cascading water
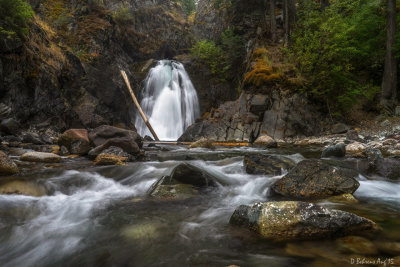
(169, 101)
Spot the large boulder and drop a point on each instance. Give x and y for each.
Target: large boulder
(106, 136)
(76, 141)
(315, 179)
(72, 135)
(293, 220)
(125, 143)
(102, 134)
(10, 126)
(185, 181)
(41, 157)
(7, 166)
(267, 164)
(188, 174)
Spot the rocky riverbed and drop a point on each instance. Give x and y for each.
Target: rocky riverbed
(274, 203)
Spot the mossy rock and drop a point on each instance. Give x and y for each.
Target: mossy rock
(110, 159)
(294, 220)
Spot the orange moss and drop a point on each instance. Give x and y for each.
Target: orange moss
(259, 52)
(261, 74)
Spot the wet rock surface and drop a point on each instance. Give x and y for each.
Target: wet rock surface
(312, 179)
(338, 150)
(267, 164)
(291, 220)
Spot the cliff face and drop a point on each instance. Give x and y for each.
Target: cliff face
(66, 73)
(268, 103)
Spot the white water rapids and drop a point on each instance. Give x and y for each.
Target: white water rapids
(169, 101)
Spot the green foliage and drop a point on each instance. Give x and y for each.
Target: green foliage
(336, 49)
(221, 58)
(122, 16)
(188, 5)
(14, 15)
(213, 55)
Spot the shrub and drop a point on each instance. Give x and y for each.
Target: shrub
(15, 16)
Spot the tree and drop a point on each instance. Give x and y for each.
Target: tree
(389, 81)
(14, 15)
(289, 16)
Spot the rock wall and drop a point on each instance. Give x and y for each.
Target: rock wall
(66, 73)
(254, 114)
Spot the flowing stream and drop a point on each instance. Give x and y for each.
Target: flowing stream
(169, 101)
(102, 216)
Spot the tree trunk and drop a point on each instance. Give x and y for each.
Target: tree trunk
(389, 81)
(289, 15)
(286, 21)
(272, 20)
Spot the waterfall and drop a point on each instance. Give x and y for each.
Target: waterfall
(169, 101)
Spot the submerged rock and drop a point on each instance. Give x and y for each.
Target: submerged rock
(293, 220)
(41, 157)
(22, 188)
(315, 179)
(265, 141)
(338, 150)
(356, 244)
(267, 164)
(7, 166)
(174, 192)
(184, 182)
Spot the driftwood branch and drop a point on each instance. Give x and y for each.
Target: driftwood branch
(146, 121)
